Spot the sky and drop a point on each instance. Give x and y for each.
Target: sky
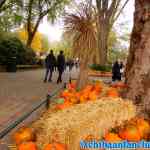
(54, 32)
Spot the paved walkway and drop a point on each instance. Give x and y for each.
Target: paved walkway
(20, 91)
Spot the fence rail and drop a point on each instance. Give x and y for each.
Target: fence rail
(12, 125)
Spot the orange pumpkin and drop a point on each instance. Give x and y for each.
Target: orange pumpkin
(27, 146)
(88, 88)
(65, 94)
(24, 134)
(112, 93)
(112, 137)
(97, 88)
(82, 99)
(55, 146)
(71, 86)
(66, 104)
(130, 133)
(143, 127)
(74, 100)
(93, 95)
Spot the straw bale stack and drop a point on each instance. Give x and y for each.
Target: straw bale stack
(77, 122)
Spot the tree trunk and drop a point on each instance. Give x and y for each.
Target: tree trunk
(138, 63)
(29, 40)
(83, 75)
(102, 42)
(32, 32)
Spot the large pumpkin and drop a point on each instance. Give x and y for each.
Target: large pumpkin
(130, 133)
(55, 146)
(143, 127)
(112, 137)
(27, 146)
(24, 134)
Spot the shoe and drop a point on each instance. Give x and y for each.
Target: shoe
(44, 81)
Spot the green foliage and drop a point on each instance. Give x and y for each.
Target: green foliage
(115, 54)
(101, 68)
(45, 43)
(13, 47)
(10, 15)
(62, 45)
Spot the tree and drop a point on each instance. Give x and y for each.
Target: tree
(108, 13)
(10, 17)
(80, 27)
(36, 10)
(36, 42)
(138, 68)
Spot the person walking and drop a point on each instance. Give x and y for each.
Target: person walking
(121, 69)
(116, 75)
(60, 66)
(50, 62)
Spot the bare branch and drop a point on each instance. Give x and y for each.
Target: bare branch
(2, 3)
(116, 17)
(29, 17)
(111, 8)
(99, 5)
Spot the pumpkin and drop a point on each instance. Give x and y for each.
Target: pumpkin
(71, 86)
(130, 133)
(66, 104)
(112, 93)
(97, 88)
(24, 134)
(143, 127)
(88, 88)
(112, 137)
(55, 146)
(82, 99)
(65, 93)
(74, 100)
(27, 146)
(93, 95)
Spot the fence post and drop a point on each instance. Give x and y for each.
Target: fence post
(48, 101)
(65, 85)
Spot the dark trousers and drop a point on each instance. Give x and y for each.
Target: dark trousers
(48, 72)
(59, 76)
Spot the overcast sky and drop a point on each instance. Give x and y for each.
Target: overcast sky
(54, 32)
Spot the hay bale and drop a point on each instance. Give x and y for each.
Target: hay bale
(75, 123)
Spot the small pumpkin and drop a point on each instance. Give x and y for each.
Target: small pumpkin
(97, 87)
(112, 92)
(88, 88)
(27, 146)
(130, 133)
(65, 93)
(71, 86)
(24, 134)
(55, 146)
(66, 104)
(112, 137)
(93, 95)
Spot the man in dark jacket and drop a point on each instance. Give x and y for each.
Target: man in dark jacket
(60, 65)
(50, 62)
(116, 75)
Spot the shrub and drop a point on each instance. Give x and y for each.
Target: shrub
(13, 47)
(98, 67)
